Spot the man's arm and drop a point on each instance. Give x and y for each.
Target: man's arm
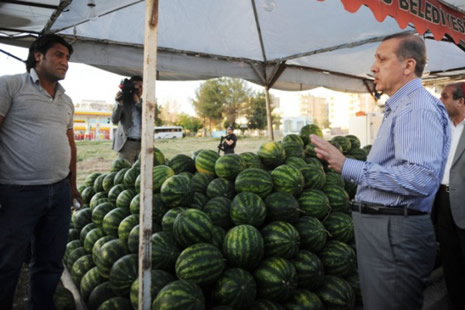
(72, 167)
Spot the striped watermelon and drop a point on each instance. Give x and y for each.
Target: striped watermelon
(165, 251)
(114, 192)
(81, 218)
(293, 149)
(265, 304)
(130, 177)
(134, 205)
(199, 200)
(98, 244)
(201, 263)
(160, 174)
(252, 160)
(314, 202)
(293, 138)
(73, 234)
(80, 267)
(315, 162)
(287, 179)
(309, 151)
(248, 208)
(308, 130)
(181, 163)
(124, 199)
(354, 141)
(358, 153)
(96, 202)
(282, 206)
(137, 183)
(340, 226)
(314, 177)
(192, 226)
(338, 258)
(123, 273)
(218, 210)
(63, 299)
(254, 180)
(336, 293)
(158, 209)
(126, 226)
(272, 154)
(281, 239)
(115, 303)
(229, 166)
(133, 240)
(99, 295)
(312, 233)
(354, 282)
(158, 157)
(119, 164)
(107, 182)
(176, 191)
(70, 246)
(334, 178)
(85, 230)
(112, 220)
(92, 237)
(243, 247)
(108, 254)
(344, 142)
(90, 179)
(235, 288)
(310, 271)
(170, 216)
(296, 162)
(304, 299)
(159, 279)
(200, 181)
(180, 295)
(276, 279)
(338, 198)
(119, 177)
(98, 183)
(74, 255)
(218, 237)
(336, 144)
(220, 187)
(89, 282)
(205, 162)
(187, 174)
(367, 149)
(99, 212)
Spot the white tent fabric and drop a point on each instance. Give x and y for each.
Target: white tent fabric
(284, 44)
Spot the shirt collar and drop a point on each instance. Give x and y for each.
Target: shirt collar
(35, 79)
(401, 92)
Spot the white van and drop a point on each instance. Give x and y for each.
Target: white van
(168, 132)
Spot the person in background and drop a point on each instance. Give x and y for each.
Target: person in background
(394, 235)
(229, 142)
(449, 206)
(37, 172)
(127, 113)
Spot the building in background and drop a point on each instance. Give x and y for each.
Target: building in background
(316, 108)
(92, 120)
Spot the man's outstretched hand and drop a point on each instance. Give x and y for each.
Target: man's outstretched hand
(327, 151)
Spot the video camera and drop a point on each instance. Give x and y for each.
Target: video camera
(220, 146)
(128, 90)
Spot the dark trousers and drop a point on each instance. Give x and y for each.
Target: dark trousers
(36, 216)
(452, 250)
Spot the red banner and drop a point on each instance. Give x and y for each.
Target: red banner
(425, 15)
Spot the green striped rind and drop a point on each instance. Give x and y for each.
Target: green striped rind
(97, 202)
(92, 237)
(314, 177)
(281, 239)
(74, 255)
(115, 191)
(133, 240)
(272, 154)
(98, 183)
(293, 149)
(70, 246)
(340, 226)
(338, 258)
(295, 162)
(293, 138)
(252, 160)
(287, 179)
(80, 267)
(304, 299)
(338, 198)
(134, 205)
(170, 216)
(187, 174)
(205, 162)
(265, 304)
(159, 208)
(315, 162)
(282, 206)
(201, 263)
(354, 282)
(235, 288)
(158, 157)
(218, 210)
(100, 294)
(367, 149)
(334, 178)
(81, 188)
(229, 166)
(107, 182)
(179, 295)
(243, 247)
(98, 244)
(176, 191)
(199, 200)
(126, 226)
(130, 177)
(310, 271)
(119, 164)
(96, 197)
(220, 187)
(119, 177)
(85, 230)
(312, 233)
(309, 151)
(108, 254)
(73, 234)
(165, 251)
(344, 142)
(276, 279)
(90, 281)
(63, 299)
(137, 183)
(354, 141)
(115, 303)
(307, 130)
(159, 279)
(254, 180)
(218, 237)
(99, 212)
(358, 153)
(336, 293)
(314, 202)
(112, 220)
(336, 145)
(248, 208)
(123, 273)
(181, 163)
(81, 218)
(351, 189)
(90, 179)
(160, 174)
(192, 226)
(200, 181)
(124, 198)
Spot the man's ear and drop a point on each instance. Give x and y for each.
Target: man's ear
(38, 56)
(410, 65)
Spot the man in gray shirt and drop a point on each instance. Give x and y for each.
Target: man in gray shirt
(37, 171)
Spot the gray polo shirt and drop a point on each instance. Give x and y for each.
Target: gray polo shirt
(34, 147)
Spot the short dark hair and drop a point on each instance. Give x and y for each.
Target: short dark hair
(42, 44)
(411, 46)
(459, 90)
(136, 78)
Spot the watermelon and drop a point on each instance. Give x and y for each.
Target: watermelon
(130, 177)
(81, 218)
(272, 154)
(293, 138)
(90, 179)
(229, 166)
(199, 200)
(367, 149)
(70, 246)
(170, 216)
(314, 202)
(108, 254)
(340, 226)
(336, 293)
(165, 251)
(280, 239)
(312, 233)
(254, 180)
(304, 299)
(124, 199)
(63, 299)
(308, 130)
(357, 153)
(178, 295)
(252, 160)
(315, 162)
(200, 181)
(354, 282)
(123, 273)
(96, 202)
(85, 230)
(73, 234)
(119, 177)
(220, 187)
(338, 198)
(95, 198)
(338, 258)
(158, 209)
(74, 255)
(98, 183)
(334, 178)
(100, 294)
(192, 226)
(187, 174)
(276, 279)
(314, 177)
(310, 271)
(137, 183)
(351, 189)
(182, 163)
(354, 141)
(248, 208)
(119, 164)
(287, 179)
(218, 237)
(159, 279)
(344, 142)
(92, 237)
(89, 282)
(112, 220)
(133, 240)
(158, 157)
(80, 267)
(235, 288)
(295, 162)
(205, 162)
(115, 303)
(309, 151)
(293, 149)
(243, 247)
(218, 210)
(264, 304)
(201, 263)
(134, 205)
(99, 212)
(114, 192)
(107, 182)
(160, 174)
(282, 206)
(176, 191)
(98, 244)
(126, 226)
(336, 144)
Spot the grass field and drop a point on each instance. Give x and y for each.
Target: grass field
(96, 156)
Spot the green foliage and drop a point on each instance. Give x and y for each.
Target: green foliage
(158, 120)
(255, 111)
(189, 123)
(208, 102)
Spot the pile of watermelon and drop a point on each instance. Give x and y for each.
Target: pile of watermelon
(265, 230)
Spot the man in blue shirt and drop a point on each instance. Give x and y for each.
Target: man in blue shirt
(397, 184)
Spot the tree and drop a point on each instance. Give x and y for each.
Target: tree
(208, 102)
(158, 112)
(190, 123)
(236, 94)
(255, 111)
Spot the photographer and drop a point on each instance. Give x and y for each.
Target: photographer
(229, 142)
(127, 114)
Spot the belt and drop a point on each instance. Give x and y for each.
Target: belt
(444, 188)
(133, 139)
(383, 210)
